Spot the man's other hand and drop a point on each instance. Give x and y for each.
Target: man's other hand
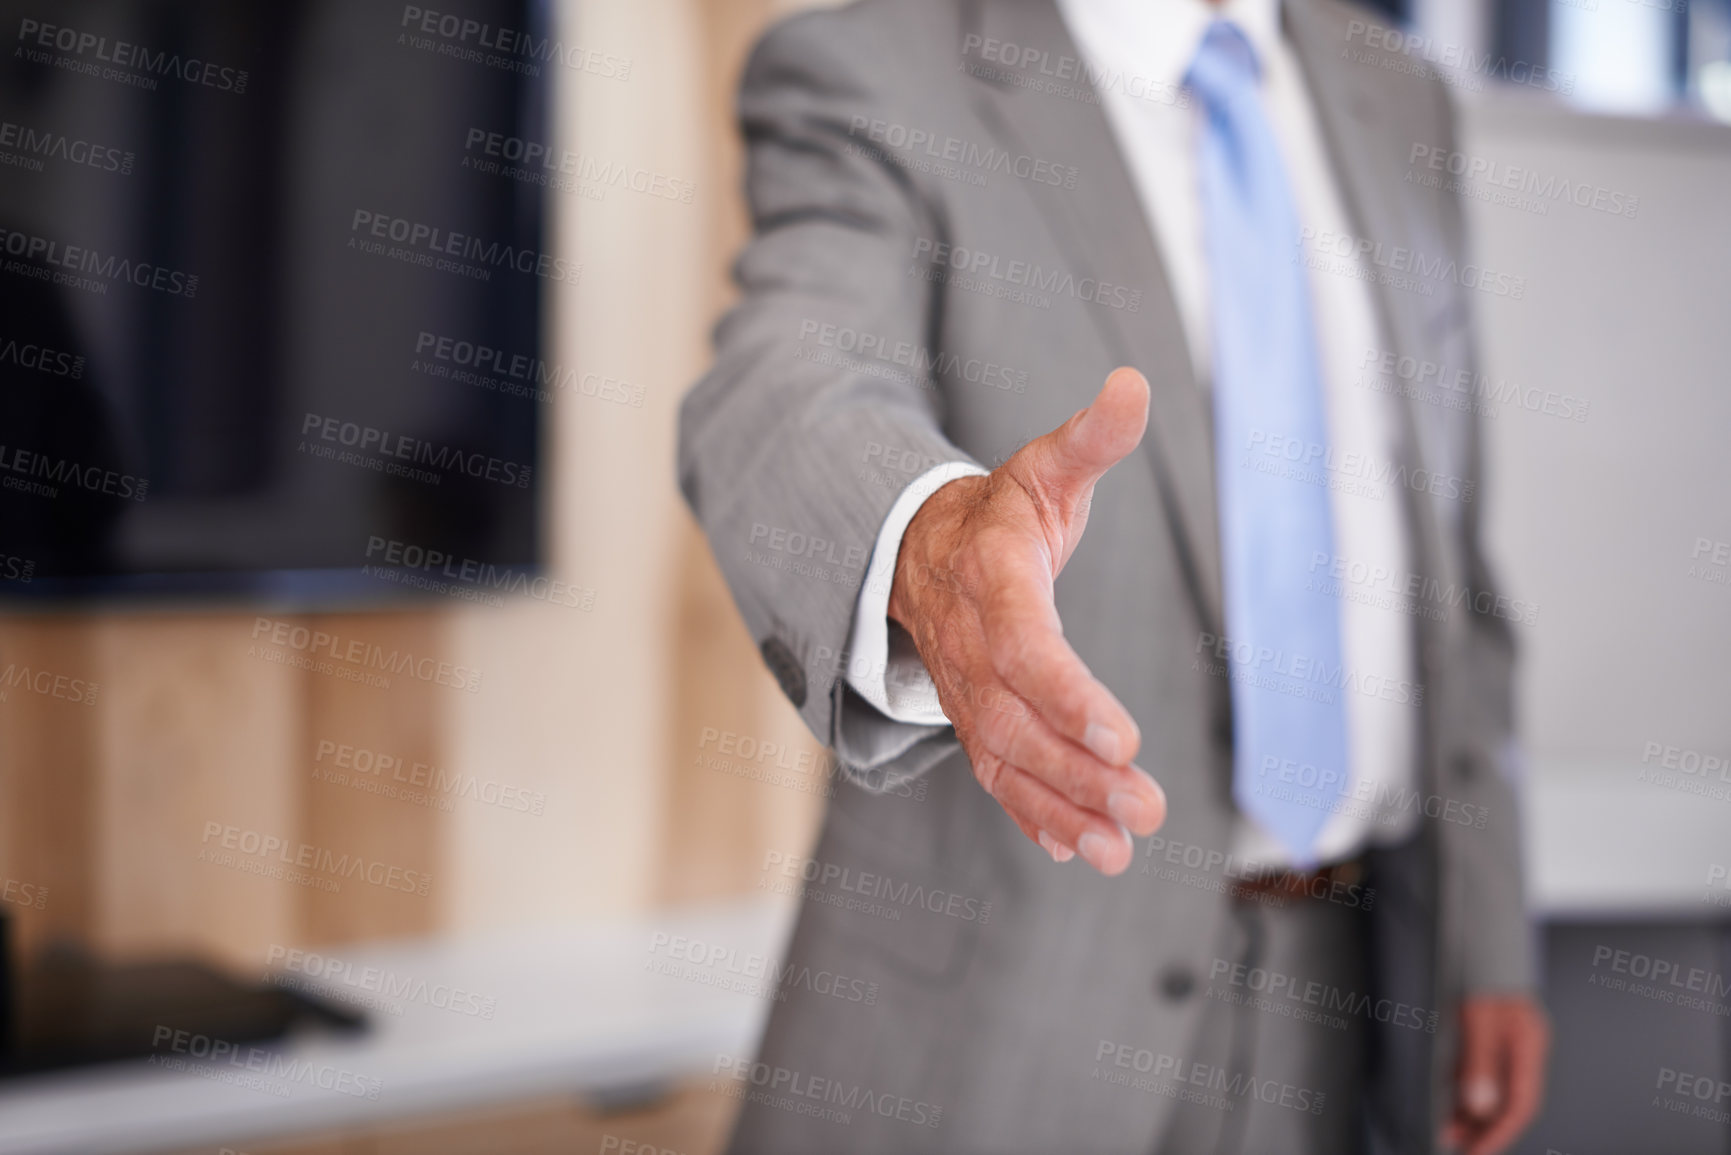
(1500, 1079)
(973, 586)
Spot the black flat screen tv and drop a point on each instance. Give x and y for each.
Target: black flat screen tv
(272, 278)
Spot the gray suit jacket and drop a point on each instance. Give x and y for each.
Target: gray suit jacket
(878, 135)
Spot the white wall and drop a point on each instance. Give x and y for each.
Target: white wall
(1596, 520)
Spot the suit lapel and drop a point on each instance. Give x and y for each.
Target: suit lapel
(1352, 100)
(1104, 231)
(1105, 234)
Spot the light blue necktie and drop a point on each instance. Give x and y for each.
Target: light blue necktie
(1288, 720)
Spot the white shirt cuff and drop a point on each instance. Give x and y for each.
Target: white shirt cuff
(896, 683)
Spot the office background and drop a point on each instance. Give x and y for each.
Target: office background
(666, 763)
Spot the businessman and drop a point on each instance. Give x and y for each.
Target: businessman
(1054, 458)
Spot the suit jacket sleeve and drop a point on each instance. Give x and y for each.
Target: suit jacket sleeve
(794, 446)
(1483, 862)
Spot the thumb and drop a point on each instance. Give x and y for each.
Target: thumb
(1060, 468)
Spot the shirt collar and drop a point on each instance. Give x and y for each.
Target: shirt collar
(1155, 40)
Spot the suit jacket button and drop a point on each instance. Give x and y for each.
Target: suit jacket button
(786, 669)
(1465, 768)
(1176, 982)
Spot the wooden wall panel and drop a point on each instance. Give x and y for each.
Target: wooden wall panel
(195, 728)
(48, 761)
(146, 814)
(391, 815)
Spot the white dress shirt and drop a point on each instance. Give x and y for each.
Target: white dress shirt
(1143, 47)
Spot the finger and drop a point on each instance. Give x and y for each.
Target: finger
(1102, 843)
(1524, 1090)
(991, 772)
(1058, 851)
(979, 703)
(1027, 650)
(1061, 467)
(1025, 740)
(1034, 833)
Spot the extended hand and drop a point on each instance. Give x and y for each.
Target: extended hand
(973, 586)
